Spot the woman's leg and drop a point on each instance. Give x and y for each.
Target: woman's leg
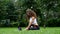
(34, 27)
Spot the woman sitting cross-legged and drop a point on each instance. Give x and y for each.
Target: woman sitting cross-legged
(31, 16)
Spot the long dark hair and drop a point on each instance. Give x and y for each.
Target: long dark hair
(30, 13)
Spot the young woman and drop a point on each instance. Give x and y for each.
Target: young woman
(31, 16)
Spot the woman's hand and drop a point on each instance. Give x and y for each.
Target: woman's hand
(27, 28)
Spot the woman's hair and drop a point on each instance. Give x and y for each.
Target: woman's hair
(30, 13)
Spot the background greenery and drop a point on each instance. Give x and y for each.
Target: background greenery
(13, 12)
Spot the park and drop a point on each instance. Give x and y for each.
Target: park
(15, 16)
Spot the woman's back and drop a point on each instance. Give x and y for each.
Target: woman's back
(34, 21)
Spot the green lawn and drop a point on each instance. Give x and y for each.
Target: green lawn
(48, 30)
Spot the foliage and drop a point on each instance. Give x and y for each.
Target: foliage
(48, 11)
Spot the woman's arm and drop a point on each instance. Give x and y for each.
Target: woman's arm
(30, 22)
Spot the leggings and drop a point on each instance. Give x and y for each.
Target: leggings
(34, 27)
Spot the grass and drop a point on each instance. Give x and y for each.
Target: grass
(48, 30)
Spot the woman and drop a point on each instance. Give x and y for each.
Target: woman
(31, 16)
